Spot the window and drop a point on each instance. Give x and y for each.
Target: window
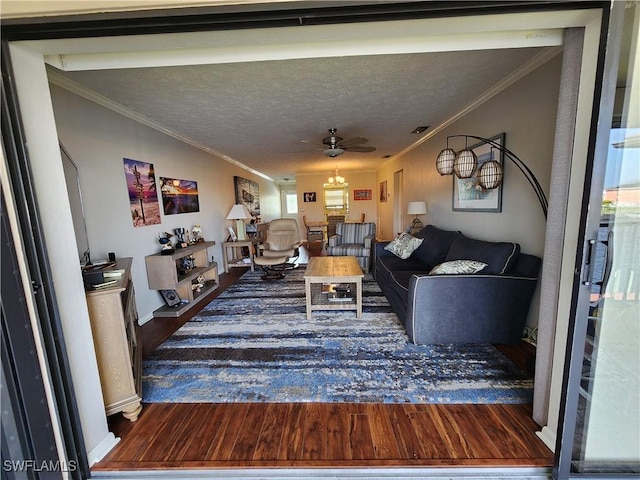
(291, 202)
(336, 200)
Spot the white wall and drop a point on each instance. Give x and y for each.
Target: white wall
(57, 227)
(526, 112)
(98, 139)
(356, 180)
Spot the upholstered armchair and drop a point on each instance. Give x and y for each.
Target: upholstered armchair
(280, 247)
(353, 239)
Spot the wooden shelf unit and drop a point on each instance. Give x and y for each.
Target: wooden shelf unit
(162, 274)
(114, 325)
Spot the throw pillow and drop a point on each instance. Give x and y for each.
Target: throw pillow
(457, 267)
(404, 245)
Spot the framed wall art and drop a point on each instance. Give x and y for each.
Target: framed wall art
(143, 194)
(383, 191)
(468, 195)
(179, 196)
(248, 194)
(309, 196)
(362, 195)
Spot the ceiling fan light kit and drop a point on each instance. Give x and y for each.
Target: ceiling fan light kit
(333, 152)
(491, 173)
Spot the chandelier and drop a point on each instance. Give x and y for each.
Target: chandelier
(336, 180)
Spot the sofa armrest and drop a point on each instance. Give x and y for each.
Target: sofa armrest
(335, 240)
(380, 251)
(468, 308)
(368, 240)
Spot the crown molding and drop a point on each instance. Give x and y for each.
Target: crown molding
(93, 96)
(525, 69)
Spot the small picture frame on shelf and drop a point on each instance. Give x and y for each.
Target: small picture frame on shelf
(170, 297)
(232, 235)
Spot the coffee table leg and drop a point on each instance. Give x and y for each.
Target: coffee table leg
(359, 298)
(307, 294)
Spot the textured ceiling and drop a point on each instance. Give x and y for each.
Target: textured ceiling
(260, 113)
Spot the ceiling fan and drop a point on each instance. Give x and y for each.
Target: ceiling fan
(334, 145)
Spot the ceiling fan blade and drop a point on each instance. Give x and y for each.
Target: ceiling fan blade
(361, 149)
(353, 141)
(318, 145)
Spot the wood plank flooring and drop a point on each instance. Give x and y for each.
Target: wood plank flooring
(248, 435)
(322, 435)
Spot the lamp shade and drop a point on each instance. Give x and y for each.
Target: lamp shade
(490, 174)
(444, 162)
(465, 164)
(239, 212)
(417, 208)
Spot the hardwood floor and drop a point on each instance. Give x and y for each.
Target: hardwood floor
(285, 435)
(252, 435)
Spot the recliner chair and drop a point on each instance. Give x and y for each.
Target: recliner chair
(280, 246)
(353, 239)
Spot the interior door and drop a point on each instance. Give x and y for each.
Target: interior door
(600, 430)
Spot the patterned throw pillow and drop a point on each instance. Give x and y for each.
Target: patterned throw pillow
(457, 267)
(404, 245)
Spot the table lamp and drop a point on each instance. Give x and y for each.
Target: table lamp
(239, 213)
(417, 208)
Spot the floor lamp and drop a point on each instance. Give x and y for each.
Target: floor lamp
(464, 164)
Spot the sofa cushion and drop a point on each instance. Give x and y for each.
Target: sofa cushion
(457, 267)
(404, 245)
(435, 246)
(499, 256)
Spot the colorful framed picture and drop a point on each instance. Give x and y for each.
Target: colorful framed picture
(309, 196)
(179, 196)
(143, 194)
(468, 195)
(383, 191)
(362, 195)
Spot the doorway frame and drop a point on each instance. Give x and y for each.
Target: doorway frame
(35, 101)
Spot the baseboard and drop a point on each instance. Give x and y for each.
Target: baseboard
(548, 436)
(145, 319)
(105, 445)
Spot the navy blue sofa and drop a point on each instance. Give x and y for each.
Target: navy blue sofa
(490, 306)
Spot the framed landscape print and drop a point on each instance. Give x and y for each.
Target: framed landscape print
(179, 196)
(468, 195)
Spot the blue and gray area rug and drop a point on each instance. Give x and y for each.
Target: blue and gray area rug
(254, 344)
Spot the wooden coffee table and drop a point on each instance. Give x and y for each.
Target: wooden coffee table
(341, 271)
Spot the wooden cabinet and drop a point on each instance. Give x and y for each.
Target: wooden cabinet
(180, 271)
(114, 325)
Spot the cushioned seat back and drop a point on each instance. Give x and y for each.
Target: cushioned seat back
(433, 249)
(355, 232)
(499, 256)
(282, 234)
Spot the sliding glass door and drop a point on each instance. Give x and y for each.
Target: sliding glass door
(600, 436)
